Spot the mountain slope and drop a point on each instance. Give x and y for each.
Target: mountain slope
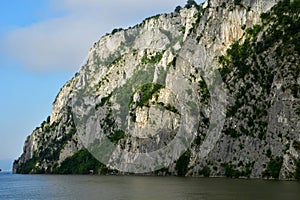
(224, 74)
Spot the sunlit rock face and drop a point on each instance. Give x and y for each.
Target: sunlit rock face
(199, 71)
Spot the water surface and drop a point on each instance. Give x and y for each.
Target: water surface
(141, 187)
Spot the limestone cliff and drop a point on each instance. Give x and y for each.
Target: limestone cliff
(222, 76)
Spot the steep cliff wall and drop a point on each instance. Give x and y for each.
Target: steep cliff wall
(223, 77)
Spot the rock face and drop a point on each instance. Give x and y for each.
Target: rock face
(226, 74)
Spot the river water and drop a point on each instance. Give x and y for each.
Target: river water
(44, 187)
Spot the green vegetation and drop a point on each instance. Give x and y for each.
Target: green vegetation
(269, 153)
(205, 171)
(232, 132)
(116, 136)
(169, 108)
(246, 62)
(197, 17)
(152, 17)
(182, 163)
(230, 171)
(203, 91)
(173, 62)
(147, 92)
(286, 25)
(153, 59)
(282, 23)
(191, 3)
(108, 123)
(182, 29)
(124, 94)
(177, 9)
(248, 169)
(298, 111)
(103, 101)
(172, 109)
(28, 167)
(297, 173)
(237, 2)
(163, 171)
(51, 150)
(116, 30)
(296, 145)
(48, 119)
(254, 30)
(273, 168)
(223, 5)
(80, 163)
(236, 56)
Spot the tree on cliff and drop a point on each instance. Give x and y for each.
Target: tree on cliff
(191, 3)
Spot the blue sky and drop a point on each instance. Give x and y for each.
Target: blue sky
(42, 44)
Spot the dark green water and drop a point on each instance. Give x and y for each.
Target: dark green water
(46, 187)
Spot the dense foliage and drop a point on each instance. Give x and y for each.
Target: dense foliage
(147, 92)
(51, 151)
(191, 3)
(27, 167)
(273, 168)
(82, 162)
(297, 173)
(116, 136)
(182, 163)
(205, 171)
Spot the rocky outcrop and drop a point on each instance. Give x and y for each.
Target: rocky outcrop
(207, 90)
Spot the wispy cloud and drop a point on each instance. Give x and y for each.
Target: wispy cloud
(63, 42)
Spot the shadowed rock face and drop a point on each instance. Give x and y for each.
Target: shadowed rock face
(219, 74)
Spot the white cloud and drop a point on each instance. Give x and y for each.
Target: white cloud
(63, 43)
